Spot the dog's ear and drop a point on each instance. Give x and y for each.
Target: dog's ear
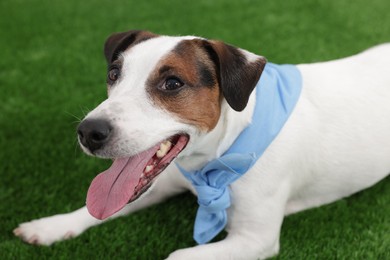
(238, 72)
(119, 42)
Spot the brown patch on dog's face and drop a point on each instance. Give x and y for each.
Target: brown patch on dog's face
(185, 84)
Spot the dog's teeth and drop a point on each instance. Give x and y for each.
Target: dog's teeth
(148, 169)
(164, 148)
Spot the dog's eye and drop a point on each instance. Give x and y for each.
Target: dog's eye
(172, 84)
(113, 75)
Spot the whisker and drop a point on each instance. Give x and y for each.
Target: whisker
(78, 119)
(75, 143)
(85, 111)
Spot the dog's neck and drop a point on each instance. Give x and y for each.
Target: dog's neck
(213, 144)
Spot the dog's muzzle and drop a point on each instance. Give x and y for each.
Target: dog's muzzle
(94, 133)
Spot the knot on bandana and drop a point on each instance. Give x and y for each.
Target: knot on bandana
(211, 184)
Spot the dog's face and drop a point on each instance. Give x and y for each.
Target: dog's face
(163, 94)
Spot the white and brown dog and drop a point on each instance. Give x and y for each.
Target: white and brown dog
(190, 97)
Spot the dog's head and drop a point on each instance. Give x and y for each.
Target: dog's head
(162, 93)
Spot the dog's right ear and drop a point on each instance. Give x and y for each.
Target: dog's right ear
(237, 76)
(119, 42)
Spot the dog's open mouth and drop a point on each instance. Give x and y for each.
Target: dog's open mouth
(129, 177)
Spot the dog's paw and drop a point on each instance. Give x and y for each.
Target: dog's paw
(191, 254)
(178, 254)
(46, 231)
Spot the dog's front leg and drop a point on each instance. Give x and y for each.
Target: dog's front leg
(255, 219)
(48, 230)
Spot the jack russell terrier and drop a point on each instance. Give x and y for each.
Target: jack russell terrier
(254, 141)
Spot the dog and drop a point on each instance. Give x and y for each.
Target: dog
(189, 98)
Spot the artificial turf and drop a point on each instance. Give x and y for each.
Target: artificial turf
(52, 72)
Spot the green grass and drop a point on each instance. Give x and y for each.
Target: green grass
(52, 70)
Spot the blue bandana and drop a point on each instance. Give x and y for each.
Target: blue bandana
(277, 92)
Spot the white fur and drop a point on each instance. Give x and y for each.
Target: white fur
(336, 142)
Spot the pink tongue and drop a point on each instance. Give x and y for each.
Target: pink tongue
(112, 189)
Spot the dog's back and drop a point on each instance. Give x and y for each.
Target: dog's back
(343, 124)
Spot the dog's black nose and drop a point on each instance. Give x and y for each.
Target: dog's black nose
(94, 133)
